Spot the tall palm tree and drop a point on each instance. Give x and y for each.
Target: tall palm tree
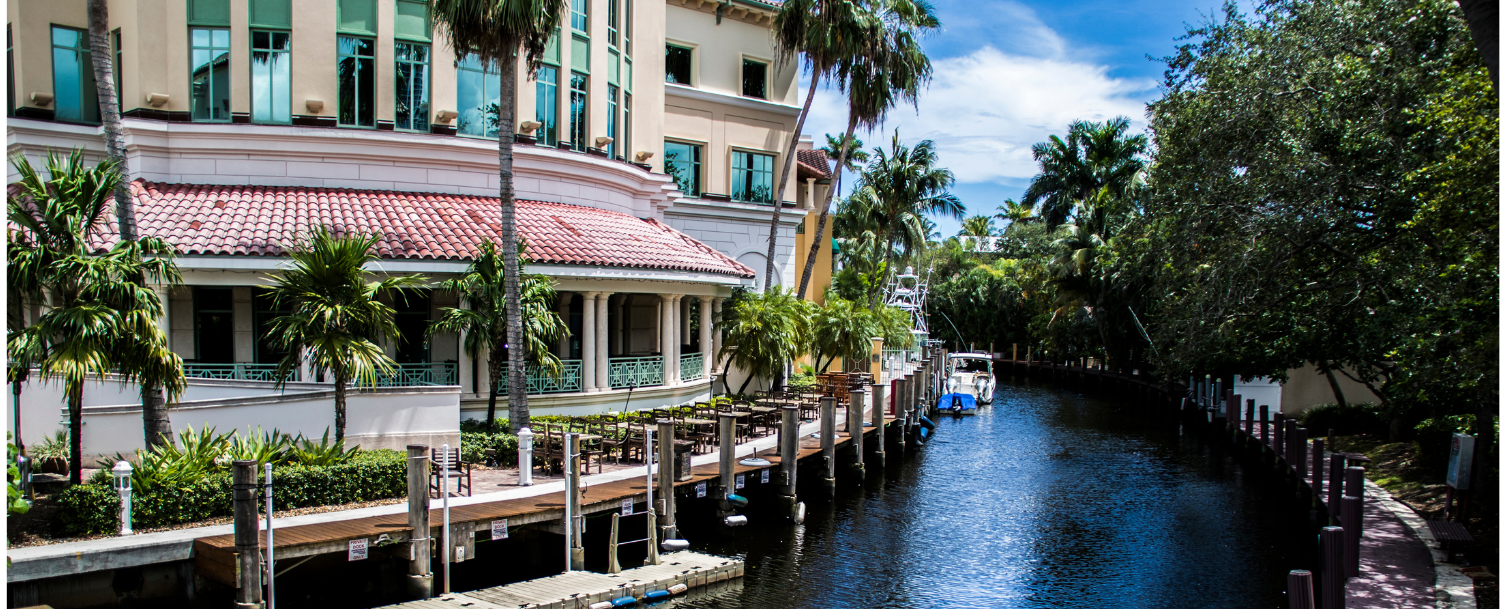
(910, 186)
(842, 329)
(763, 333)
(1093, 156)
(483, 319)
(977, 226)
(102, 58)
(827, 34)
(1017, 213)
(334, 314)
(891, 67)
(100, 315)
(856, 155)
(497, 33)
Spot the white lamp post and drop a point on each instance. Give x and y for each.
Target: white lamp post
(523, 442)
(121, 471)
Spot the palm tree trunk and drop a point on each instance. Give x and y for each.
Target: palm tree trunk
(727, 362)
(787, 164)
(340, 408)
(520, 414)
(885, 272)
(812, 250)
(745, 384)
(109, 111)
(494, 364)
(1333, 383)
(154, 409)
(75, 434)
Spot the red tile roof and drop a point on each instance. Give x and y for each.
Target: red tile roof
(261, 220)
(815, 163)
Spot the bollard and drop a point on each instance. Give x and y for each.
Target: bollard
(447, 540)
(614, 543)
(1331, 559)
(270, 544)
(1299, 589)
(1265, 424)
(523, 458)
(856, 425)
(649, 451)
(122, 473)
(1298, 449)
(908, 409)
(787, 443)
(418, 570)
(1335, 483)
(1233, 407)
(877, 416)
(1317, 467)
(574, 512)
(828, 435)
(1354, 528)
(666, 499)
(1354, 482)
(898, 397)
(247, 593)
(726, 460)
(1276, 433)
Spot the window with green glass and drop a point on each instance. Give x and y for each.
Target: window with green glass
(679, 65)
(578, 111)
(629, 24)
(411, 20)
(751, 177)
(478, 90)
(685, 164)
(546, 105)
(210, 72)
(412, 76)
(270, 77)
(609, 123)
(580, 15)
(356, 70)
(271, 13)
(753, 79)
(357, 16)
(614, 23)
(75, 97)
(208, 12)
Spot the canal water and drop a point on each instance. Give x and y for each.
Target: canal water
(1050, 498)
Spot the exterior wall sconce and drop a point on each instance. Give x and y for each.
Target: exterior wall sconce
(315, 106)
(157, 100)
(530, 127)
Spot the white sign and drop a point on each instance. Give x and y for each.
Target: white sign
(499, 529)
(627, 507)
(701, 489)
(359, 549)
(739, 482)
(984, 245)
(765, 476)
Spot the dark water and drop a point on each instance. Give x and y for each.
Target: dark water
(1047, 499)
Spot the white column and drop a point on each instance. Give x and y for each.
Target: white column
(674, 331)
(601, 350)
(589, 346)
(718, 332)
(465, 366)
(706, 333)
(565, 311)
(664, 336)
(482, 372)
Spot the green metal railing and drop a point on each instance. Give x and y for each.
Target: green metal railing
(407, 375)
(538, 381)
(238, 372)
(635, 371)
(691, 366)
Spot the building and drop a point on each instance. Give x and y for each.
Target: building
(651, 140)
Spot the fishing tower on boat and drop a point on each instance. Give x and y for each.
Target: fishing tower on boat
(908, 292)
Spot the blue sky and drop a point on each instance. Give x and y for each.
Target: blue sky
(1009, 73)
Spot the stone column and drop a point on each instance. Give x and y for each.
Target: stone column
(664, 336)
(482, 372)
(674, 330)
(465, 366)
(718, 332)
(622, 326)
(565, 311)
(705, 333)
(601, 350)
(589, 342)
(165, 321)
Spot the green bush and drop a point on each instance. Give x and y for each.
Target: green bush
(1353, 418)
(474, 443)
(1434, 437)
(370, 475)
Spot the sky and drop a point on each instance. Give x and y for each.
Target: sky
(1009, 73)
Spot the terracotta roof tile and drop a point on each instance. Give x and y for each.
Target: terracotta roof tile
(814, 162)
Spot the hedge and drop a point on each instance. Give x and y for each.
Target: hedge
(95, 508)
(474, 443)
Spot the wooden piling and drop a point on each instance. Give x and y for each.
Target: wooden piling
(827, 436)
(898, 410)
(856, 426)
(247, 594)
(666, 465)
(1335, 483)
(787, 447)
(1299, 589)
(575, 502)
(1233, 408)
(1317, 466)
(1354, 481)
(614, 543)
(1277, 435)
(1265, 424)
(419, 569)
(1354, 528)
(877, 416)
(1331, 559)
(726, 459)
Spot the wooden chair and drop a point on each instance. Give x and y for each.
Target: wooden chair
(592, 450)
(611, 441)
(457, 470)
(635, 441)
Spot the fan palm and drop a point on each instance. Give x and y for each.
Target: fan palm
(890, 68)
(909, 186)
(334, 313)
(497, 33)
(856, 155)
(483, 320)
(765, 332)
(101, 317)
(1093, 156)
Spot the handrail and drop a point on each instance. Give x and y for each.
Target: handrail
(691, 366)
(636, 371)
(237, 372)
(408, 375)
(539, 381)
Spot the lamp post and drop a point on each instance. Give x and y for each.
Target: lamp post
(523, 443)
(121, 471)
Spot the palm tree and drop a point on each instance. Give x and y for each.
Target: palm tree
(841, 329)
(101, 317)
(483, 320)
(1092, 156)
(977, 226)
(909, 186)
(763, 333)
(497, 33)
(334, 313)
(888, 69)
(1017, 213)
(103, 58)
(826, 33)
(856, 154)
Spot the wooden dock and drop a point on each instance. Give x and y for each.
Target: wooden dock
(579, 589)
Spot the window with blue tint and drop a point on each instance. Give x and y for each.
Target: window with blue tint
(270, 77)
(578, 112)
(75, 97)
(609, 125)
(679, 65)
(751, 177)
(580, 15)
(684, 163)
(210, 74)
(411, 86)
(356, 81)
(546, 105)
(478, 89)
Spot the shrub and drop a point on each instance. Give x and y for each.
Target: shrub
(1353, 418)
(474, 444)
(1435, 436)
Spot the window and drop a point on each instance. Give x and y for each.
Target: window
(356, 81)
(546, 105)
(753, 79)
(478, 88)
(114, 43)
(357, 16)
(270, 77)
(210, 74)
(580, 15)
(679, 65)
(411, 86)
(213, 324)
(629, 24)
(75, 96)
(411, 20)
(271, 13)
(684, 163)
(10, 71)
(627, 149)
(751, 173)
(578, 112)
(609, 125)
(614, 23)
(413, 312)
(263, 311)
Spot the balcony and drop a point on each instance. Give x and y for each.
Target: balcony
(636, 372)
(539, 381)
(408, 375)
(237, 372)
(691, 367)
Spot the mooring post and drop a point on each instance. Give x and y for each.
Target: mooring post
(575, 505)
(877, 416)
(726, 460)
(856, 420)
(614, 543)
(1335, 483)
(1250, 417)
(419, 569)
(898, 410)
(788, 443)
(1354, 481)
(1299, 589)
(910, 392)
(1317, 467)
(1276, 434)
(828, 435)
(666, 470)
(1265, 424)
(1331, 560)
(1294, 448)
(1234, 411)
(247, 594)
(1354, 528)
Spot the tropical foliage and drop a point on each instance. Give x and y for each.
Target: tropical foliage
(764, 333)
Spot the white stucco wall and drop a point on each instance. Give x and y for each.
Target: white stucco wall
(1264, 391)
(741, 231)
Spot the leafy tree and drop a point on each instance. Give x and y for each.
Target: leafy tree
(484, 314)
(764, 333)
(15, 502)
(496, 33)
(905, 185)
(334, 314)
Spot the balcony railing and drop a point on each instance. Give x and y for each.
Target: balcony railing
(539, 381)
(691, 366)
(635, 372)
(408, 375)
(238, 372)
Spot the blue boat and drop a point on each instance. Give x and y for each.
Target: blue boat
(957, 403)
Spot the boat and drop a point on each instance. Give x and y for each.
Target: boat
(971, 383)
